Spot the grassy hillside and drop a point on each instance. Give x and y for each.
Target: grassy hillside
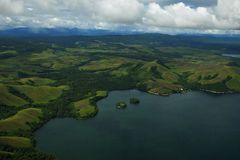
(21, 121)
(15, 142)
(40, 94)
(9, 99)
(87, 107)
(5, 154)
(36, 81)
(234, 84)
(105, 64)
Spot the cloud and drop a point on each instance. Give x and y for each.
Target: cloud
(114, 14)
(117, 11)
(11, 7)
(157, 16)
(178, 15)
(47, 5)
(224, 15)
(228, 12)
(229, 9)
(120, 11)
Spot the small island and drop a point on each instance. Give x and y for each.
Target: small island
(134, 101)
(121, 105)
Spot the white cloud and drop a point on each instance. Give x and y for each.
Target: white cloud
(228, 13)
(47, 5)
(117, 11)
(135, 14)
(229, 9)
(120, 11)
(182, 16)
(157, 16)
(11, 7)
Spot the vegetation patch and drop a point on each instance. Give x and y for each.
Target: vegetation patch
(23, 120)
(160, 87)
(5, 154)
(101, 94)
(36, 81)
(234, 84)
(7, 98)
(41, 94)
(16, 142)
(8, 54)
(121, 105)
(87, 108)
(45, 55)
(105, 64)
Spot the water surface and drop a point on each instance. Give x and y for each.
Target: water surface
(231, 55)
(191, 126)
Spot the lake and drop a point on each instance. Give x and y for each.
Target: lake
(190, 126)
(231, 55)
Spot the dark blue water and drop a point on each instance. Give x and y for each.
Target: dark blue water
(191, 126)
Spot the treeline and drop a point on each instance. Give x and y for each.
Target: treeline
(6, 111)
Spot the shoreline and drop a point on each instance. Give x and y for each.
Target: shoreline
(152, 93)
(217, 92)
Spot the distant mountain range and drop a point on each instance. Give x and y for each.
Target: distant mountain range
(61, 32)
(43, 32)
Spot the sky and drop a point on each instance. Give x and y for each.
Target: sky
(210, 16)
